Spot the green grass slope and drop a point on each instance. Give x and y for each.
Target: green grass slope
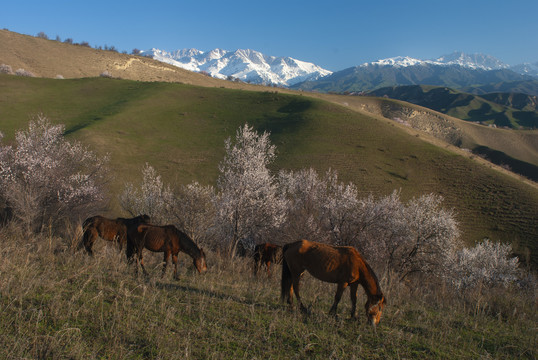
(502, 110)
(180, 130)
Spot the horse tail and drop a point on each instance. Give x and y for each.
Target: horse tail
(87, 235)
(257, 258)
(286, 282)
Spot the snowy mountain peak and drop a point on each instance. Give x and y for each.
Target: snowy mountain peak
(246, 65)
(398, 61)
(471, 61)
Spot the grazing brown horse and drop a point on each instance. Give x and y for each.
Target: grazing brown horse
(342, 265)
(109, 229)
(266, 253)
(166, 239)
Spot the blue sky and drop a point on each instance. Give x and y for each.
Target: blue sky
(332, 34)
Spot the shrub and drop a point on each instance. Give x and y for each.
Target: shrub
(6, 69)
(416, 237)
(47, 180)
(42, 35)
(22, 72)
(194, 210)
(191, 208)
(486, 264)
(152, 198)
(106, 74)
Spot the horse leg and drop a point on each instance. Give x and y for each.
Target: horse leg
(88, 240)
(174, 261)
(296, 280)
(141, 261)
(166, 257)
(268, 266)
(339, 291)
(353, 294)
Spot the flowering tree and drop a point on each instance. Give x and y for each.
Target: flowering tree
(430, 235)
(194, 209)
(304, 191)
(248, 207)
(341, 210)
(416, 237)
(190, 208)
(488, 264)
(46, 179)
(319, 208)
(152, 198)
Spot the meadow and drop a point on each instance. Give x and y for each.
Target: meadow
(57, 302)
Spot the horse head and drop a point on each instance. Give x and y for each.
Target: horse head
(199, 262)
(374, 308)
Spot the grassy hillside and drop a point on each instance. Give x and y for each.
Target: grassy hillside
(180, 130)
(502, 110)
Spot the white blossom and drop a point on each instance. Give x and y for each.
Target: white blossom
(152, 198)
(486, 264)
(248, 206)
(46, 179)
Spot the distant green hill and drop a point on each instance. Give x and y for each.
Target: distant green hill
(500, 109)
(180, 130)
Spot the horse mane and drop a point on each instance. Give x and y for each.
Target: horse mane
(374, 276)
(189, 245)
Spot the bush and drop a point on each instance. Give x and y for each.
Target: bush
(46, 180)
(22, 72)
(151, 198)
(486, 264)
(6, 69)
(191, 208)
(106, 74)
(42, 35)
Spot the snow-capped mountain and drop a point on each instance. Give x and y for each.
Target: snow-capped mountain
(472, 61)
(245, 65)
(526, 69)
(456, 71)
(469, 61)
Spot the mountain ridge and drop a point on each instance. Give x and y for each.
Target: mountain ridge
(408, 71)
(246, 65)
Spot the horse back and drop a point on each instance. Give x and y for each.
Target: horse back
(328, 263)
(157, 238)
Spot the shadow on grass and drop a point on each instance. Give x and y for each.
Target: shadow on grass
(500, 158)
(216, 295)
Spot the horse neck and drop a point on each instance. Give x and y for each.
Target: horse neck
(187, 245)
(369, 281)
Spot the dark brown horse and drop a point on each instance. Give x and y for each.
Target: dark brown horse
(342, 265)
(166, 239)
(109, 229)
(266, 253)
